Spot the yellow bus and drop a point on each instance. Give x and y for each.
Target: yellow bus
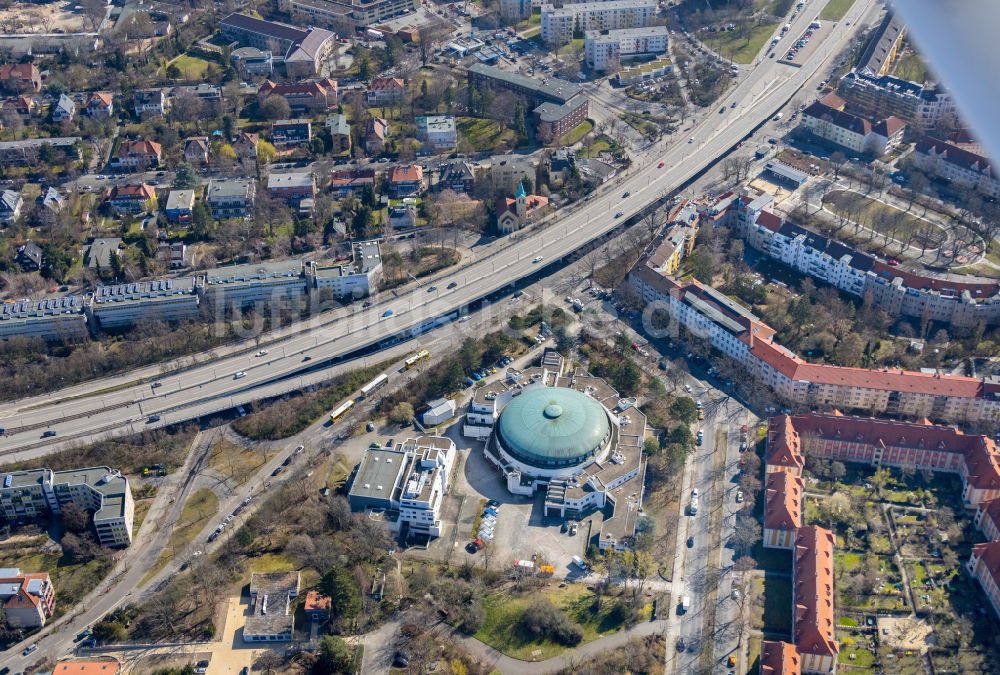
(341, 410)
(416, 358)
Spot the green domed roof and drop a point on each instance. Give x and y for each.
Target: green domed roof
(553, 426)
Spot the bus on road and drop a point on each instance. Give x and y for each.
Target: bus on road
(416, 358)
(374, 385)
(341, 410)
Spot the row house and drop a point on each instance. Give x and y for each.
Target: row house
(813, 630)
(783, 492)
(137, 155)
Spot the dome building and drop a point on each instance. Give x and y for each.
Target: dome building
(570, 435)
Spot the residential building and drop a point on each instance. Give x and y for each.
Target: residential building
(64, 110)
(357, 278)
(893, 289)
(340, 133)
(173, 254)
(458, 176)
(24, 107)
(438, 131)
(779, 658)
(99, 104)
(984, 565)
(33, 493)
(54, 319)
(243, 285)
(273, 617)
(25, 153)
(513, 214)
(560, 24)
(402, 216)
(208, 93)
(884, 443)
(251, 62)
(406, 180)
(101, 250)
(558, 105)
(813, 629)
(351, 182)
(124, 305)
(345, 16)
(196, 150)
(553, 120)
(28, 599)
(231, 197)
(29, 257)
(852, 132)
(303, 51)
(877, 97)
(410, 478)
(134, 198)
(285, 133)
(180, 204)
(51, 199)
(11, 203)
(677, 239)
(376, 130)
(605, 50)
(20, 78)
(137, 155)
(438, 411)
(86, 667)
(987, 518)
(515, 10)
(387, 91)
(292, 187)
(151, 102)
(308, 96)
(245, 146)
(317, 606)
(738, 334)
(508, 171)
(883, 46)
(783, 492)
(957, 165)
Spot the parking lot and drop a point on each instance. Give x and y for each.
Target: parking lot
(811, 38)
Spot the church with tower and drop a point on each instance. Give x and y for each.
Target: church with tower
(513, 214)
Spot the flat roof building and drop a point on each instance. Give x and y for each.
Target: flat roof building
(273, 618)
(231, 197)
(241, 285)
(52, 319)
(32, 493)
(127, 304)
(356, 279)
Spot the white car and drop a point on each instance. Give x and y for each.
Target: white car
(694, 492)
(240, 375)
(687, 388)
(538, 259)
(262, 352)
(739, 496)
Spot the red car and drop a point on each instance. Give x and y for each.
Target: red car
(635, 346)
(660, 165)
(892, 262)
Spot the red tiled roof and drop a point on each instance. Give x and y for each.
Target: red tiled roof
(406, 173)
(19, 71)
(86, 668)
(101, 97)
(324, 87)
(769, 220)
(783, 501)
(832, 100)
(989, 556)
(991, 510)
(317, 602)
(139, 147)
(779, 658)
(813, 627)
(783, 445)
(889, 126)
(139, 190)
(386, 83)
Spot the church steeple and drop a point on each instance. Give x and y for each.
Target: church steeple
(521, 199)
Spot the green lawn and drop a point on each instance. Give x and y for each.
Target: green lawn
(835, 10)
(192, 67)
(740, 49)
(777, 604)
(599, 145)
(574, 136)
(501, 625)
(483, 134)
(853, 650)
(72, 581)
(911, 66)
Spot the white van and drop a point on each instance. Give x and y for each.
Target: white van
(578, 561)
(685, 603)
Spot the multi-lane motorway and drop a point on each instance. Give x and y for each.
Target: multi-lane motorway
(101, 408)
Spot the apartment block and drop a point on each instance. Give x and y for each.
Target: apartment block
(957, 165)
(28, 598)
(897, 291)
(137, 155)
(242, 285)
(560, 23)
(515, 9)
(605, 50)
(286, 133)
(53, 319)
(32, 493)
(231, 197)
(886, 443)
(782, 509)
(25, 153)
(292, 187)
(355, 279)
(410, 478)
(813, 630)
(345, 16)
(127, 304)
(311, 95)
(922, 105)
(438, 131)
(852, 132)
(303, 51)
